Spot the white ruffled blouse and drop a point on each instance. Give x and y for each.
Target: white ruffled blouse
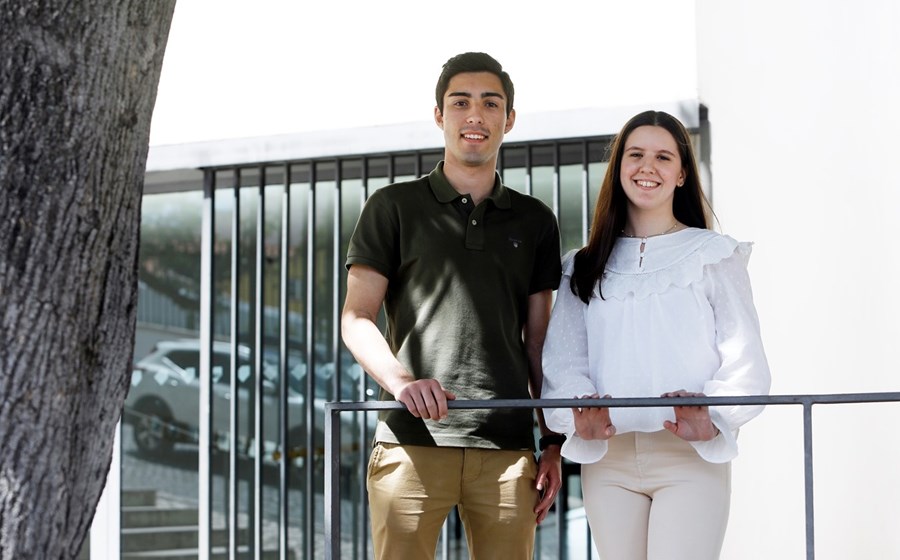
(680, 318)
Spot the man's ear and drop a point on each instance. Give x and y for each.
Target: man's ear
(510, 121)
(438, 117)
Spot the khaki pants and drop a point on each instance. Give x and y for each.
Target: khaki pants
(653, 498)
(412, 490)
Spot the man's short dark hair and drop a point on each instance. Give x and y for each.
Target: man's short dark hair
(473, 62)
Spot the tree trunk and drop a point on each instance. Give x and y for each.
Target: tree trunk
(77, 87)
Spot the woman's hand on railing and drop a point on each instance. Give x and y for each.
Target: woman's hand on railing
(692, 423)
(593, 422)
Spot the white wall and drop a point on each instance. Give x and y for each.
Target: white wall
(805, 125)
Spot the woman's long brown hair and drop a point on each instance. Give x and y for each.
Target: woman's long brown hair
(689, 204)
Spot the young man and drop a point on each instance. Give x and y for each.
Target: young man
(465, 269)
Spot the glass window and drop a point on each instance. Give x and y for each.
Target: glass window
(160, 421)
(543, 175)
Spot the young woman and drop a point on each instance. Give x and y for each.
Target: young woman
(657, 304)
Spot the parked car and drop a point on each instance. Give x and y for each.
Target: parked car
(163, 402)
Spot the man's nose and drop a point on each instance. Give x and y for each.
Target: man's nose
(474, 116)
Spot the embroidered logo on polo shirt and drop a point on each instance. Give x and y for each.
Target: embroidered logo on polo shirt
(515, 242)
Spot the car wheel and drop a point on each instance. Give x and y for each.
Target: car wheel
(152, 435)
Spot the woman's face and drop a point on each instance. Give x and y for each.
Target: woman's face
(651, 169)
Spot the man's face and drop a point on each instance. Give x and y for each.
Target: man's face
(474, 119)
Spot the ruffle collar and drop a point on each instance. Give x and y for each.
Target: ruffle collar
(676, 259)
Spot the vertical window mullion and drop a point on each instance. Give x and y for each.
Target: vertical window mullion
(363, 526)
(207, 299)
(309, 457)
(233, 409)
(585, 186)
(258, 342)
(336, 282)
(283, 316)
(528, 171)
(556, 181)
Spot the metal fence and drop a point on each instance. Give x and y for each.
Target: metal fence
(333, 438)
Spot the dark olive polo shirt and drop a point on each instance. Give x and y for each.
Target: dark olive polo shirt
(459, 277)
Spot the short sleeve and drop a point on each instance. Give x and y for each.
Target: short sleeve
(375, 240)
(547, 263)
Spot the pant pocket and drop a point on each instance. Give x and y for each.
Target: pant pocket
(374, 459)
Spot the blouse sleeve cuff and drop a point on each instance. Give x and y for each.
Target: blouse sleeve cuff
(583, 451)
(574, 448)
(720, 449)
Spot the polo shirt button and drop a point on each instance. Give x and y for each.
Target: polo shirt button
(465, 200)
(474, 222)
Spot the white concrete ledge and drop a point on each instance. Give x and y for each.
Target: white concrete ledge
(180, 158)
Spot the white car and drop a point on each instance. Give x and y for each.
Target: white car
(163, 402)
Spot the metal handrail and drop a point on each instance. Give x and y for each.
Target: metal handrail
(333, 436)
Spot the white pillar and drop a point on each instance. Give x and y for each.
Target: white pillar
(106, 527)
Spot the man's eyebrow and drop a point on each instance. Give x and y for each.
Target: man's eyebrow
(467, 94)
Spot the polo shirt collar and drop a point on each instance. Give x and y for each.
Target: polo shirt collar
(444, 192)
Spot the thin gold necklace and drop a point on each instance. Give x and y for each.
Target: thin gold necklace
(644, 240)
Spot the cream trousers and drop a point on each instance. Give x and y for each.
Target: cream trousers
(652, 497)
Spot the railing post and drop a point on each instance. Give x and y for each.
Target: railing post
(562, 548)
(332, 483)
(808, 479)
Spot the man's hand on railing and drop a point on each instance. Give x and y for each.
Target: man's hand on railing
(425, 398)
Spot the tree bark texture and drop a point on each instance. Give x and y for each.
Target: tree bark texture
(78, 83)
